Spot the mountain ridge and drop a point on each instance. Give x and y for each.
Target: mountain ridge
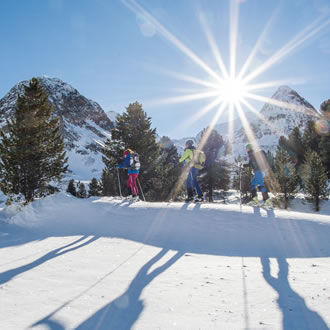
(85, 123)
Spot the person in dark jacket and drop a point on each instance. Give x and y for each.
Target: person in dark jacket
(132, 173)
(259, 164)
(191, 181)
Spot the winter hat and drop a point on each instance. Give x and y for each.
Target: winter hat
(189, 143)
(249, 147)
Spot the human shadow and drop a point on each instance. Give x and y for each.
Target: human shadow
(10, 274)
(210, 229)
(124, 311)
(296, 314)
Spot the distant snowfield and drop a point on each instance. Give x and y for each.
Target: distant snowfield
(103, 263)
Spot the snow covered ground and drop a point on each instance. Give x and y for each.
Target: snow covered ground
(103, 263)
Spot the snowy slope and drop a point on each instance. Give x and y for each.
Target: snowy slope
(103, 263)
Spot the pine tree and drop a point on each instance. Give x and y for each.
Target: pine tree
(109, 183)
(315, 179)
(81, 190)
(71, 188)
(285, 177)
(168, 171)
(325, 109)
(311, 138)
(94, 188)
(31, 149)
(215, 175)
(295, 146)
(324, 145)
(324, 148)
(133, 130)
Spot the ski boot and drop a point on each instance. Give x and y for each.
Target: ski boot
(268, 204)
(254, 202)
(198, 199)
(190, 194)
(189, 199)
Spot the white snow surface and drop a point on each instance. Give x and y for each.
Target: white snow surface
(106, 263)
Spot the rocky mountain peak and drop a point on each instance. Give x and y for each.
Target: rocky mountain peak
(286, 99)
(83, 122)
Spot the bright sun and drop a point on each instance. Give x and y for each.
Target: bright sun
(227, 86)
(232, 91)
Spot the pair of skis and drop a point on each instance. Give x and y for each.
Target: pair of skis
(131, 198)
(261, 204)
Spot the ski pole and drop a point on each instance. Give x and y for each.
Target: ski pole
(240, 185)
(140, 188)
(119, 183)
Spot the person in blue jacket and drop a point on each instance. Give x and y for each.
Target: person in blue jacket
(259, 164)
(133, 173)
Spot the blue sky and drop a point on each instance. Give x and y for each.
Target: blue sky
(118, 52)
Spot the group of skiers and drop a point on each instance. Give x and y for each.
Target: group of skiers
(256, 160)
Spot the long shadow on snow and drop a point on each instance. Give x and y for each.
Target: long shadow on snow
(224, 232)
(123, 312)
(10, 274)
(296, 314)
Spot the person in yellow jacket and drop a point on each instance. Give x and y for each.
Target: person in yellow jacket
(191, 181)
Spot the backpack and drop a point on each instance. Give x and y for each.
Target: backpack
(199, 158)
(261, 161)
(134, 162)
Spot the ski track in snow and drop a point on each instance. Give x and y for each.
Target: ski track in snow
(103, 263)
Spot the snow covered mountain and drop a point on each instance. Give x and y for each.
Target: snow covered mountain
(112, 115)
(83, 122)
(286, 111)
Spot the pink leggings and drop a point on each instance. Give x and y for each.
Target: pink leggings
(131, 183)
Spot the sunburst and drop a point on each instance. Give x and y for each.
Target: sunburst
(226, 87)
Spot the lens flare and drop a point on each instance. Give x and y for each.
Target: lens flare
(322, 127)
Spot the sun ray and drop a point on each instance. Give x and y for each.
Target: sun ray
(282, 104)
(302, 37)
(262, 161)
(214, 48)
(257, 45)
(192, 79)
(201, 113)
(211, 125)
(137, 9)
(262, 118)
(274, 83)
(233, 32)
(182, 98)
(231, 124)
(246, 126)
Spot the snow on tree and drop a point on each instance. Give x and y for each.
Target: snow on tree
(94, 188)
(71, 188)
